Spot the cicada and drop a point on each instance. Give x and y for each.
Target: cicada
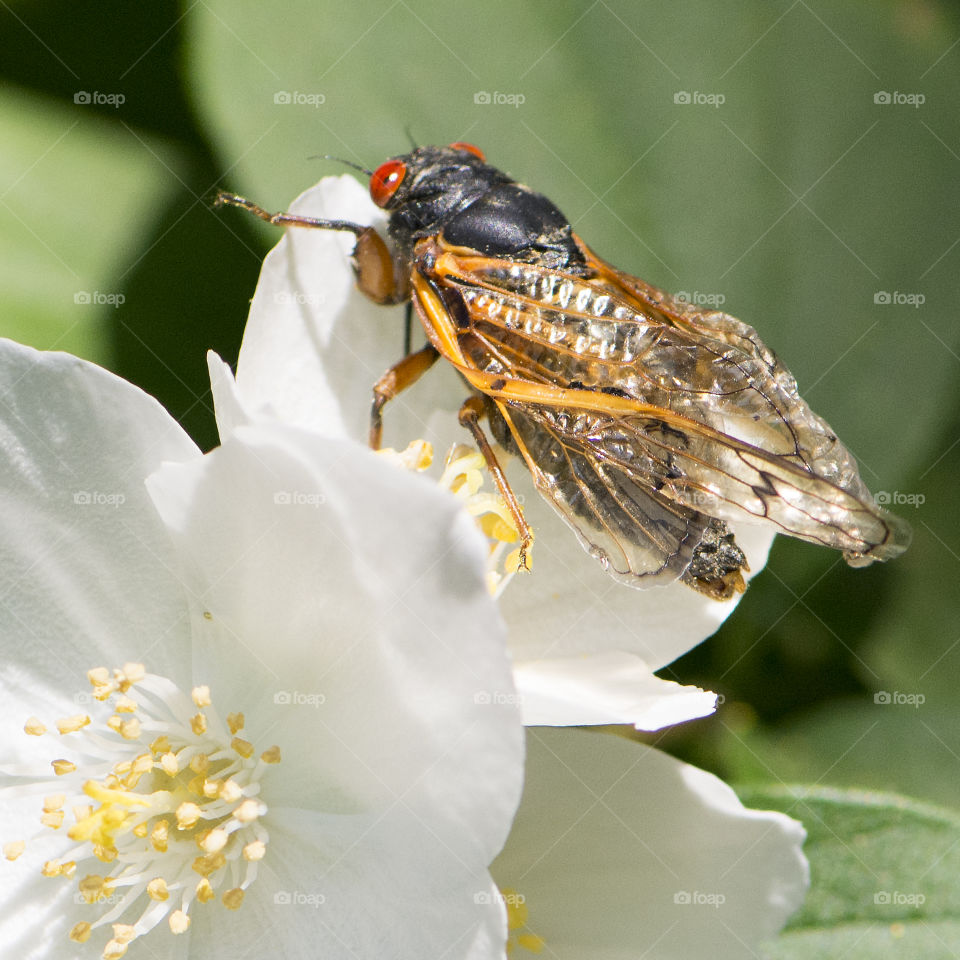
(647, 423)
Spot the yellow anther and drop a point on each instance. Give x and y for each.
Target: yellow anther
(230, 792)
(51, 868)
(104, 853)
(233, 899)
(169, 764)
(211, 788)
(143, 764)
(198, 724)
(215, 841)
(205, 892)
(248, 811)
(99, 676)
(72, 724)
(80, 932)
(531, 942)
(199, 763)
(207, 615)
(81, 811)
(160, 746)
(54, 802)
(159, 836)
(271, 754)
(13, 849)
(188, 813)
(114, 723)
(53, 819)
(243, 747)
(195, 786)
(124, 704)
(93, 887)
(201, 696)
(134, 672)
(179, 922)
(141, 830)
(61, 767)
(68, 869)
(124, 932)
(157, 889)
(114, 950)
(235, 722)
(496, 528)
(34, 727)
(130, 729)
(208, 864)
(254, 850)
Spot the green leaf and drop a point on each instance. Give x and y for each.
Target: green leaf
(885, 876)
(77, 194)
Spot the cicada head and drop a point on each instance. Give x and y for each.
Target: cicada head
(422, 190)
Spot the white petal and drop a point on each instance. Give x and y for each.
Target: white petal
(347, 597)
(85, 563)
(569, 605)
(604, 688)
(612, 839)
(363, 886)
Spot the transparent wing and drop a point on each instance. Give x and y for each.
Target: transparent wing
(733, 438)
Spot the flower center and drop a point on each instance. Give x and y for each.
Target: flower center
(165, 806)
(463, 473)
(517, 913)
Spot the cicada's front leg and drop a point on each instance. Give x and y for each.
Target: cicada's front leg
(470, 413)
(377, 275)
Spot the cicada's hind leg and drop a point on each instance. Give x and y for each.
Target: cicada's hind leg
(470, 413)
(377, 276)
(400, 376)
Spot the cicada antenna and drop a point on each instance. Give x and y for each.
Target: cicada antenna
(413, 142)
(349, 163)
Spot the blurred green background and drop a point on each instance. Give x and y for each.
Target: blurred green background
(801, 160)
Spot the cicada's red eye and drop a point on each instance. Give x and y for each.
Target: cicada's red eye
(385, 180)
(470, 148)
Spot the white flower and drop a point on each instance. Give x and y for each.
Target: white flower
(321, 754)
(619, 851)
(584, 647)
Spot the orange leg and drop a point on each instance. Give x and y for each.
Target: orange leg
(470, 414)
(400, 376)
(372, 260)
